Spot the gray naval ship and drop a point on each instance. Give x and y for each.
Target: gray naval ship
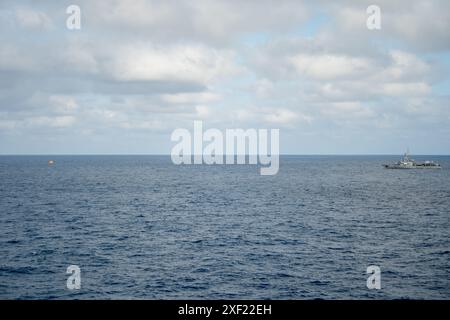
(407, 163)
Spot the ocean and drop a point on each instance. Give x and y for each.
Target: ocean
(140, 227)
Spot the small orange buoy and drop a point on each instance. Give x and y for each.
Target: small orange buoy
(50, 162)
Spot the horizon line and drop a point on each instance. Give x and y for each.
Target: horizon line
(165, 154)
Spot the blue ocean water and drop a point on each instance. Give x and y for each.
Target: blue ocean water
(141, 227)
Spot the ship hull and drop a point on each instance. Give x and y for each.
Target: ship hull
(407, 163)
(411, 167)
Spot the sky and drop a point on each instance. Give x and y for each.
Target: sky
(137, 70)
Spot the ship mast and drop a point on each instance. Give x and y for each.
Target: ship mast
(406, 157)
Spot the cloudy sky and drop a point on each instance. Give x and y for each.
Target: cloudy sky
(137, 70)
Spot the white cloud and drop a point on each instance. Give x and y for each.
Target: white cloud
(191, 97)
(80, 57)
(422, 24)
(63, 104)
(32, 19)
(271, 116)
(330, 66)
(406, 89)
(155, 65)
(50, 122)
(263, 88)
(346, 110)
(202, 112)
(209, 21)
(405, 66)
(175, 63)
(285, 117)
(7, 124)
(12, 59)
